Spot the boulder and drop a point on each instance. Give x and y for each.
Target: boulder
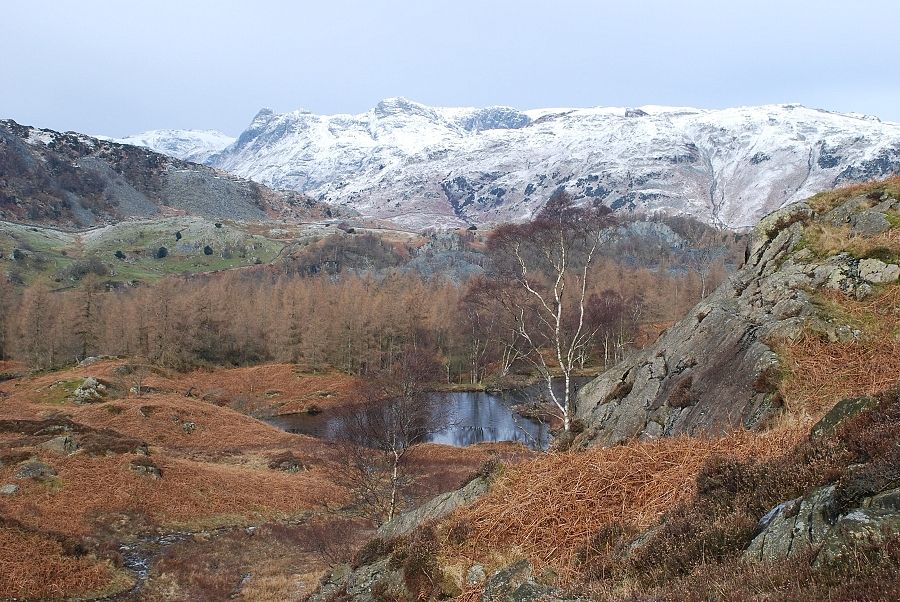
(9, 489)
(35, 469)
(878, 272)
(145, 467)
(90, 391)
(62, 445)
(869, 223)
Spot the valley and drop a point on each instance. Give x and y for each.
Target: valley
(212, 389)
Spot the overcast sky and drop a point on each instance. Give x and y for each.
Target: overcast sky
(120, 67)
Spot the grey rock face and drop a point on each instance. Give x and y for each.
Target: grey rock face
(711, 372)
(715, 357)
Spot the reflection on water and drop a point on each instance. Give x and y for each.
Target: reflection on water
(484, 417)
(474, 417)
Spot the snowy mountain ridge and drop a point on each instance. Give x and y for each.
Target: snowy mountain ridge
(423, 166)
(188, 145)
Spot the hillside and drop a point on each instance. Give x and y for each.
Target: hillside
(751, 453)
(70, 180)
(421, 166)
(159, 488)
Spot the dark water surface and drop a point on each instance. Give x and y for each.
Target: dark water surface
(474, 417)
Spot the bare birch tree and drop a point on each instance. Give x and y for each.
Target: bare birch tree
(545, 266)
(396, 413)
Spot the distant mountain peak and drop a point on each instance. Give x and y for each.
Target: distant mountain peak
(397, 105)
(188, 145)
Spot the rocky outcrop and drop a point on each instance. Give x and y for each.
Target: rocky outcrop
(517, 583)
(806, 525)
(62, 445)
(90, 391)
(434, 509)
(715, 370)
(379, 578)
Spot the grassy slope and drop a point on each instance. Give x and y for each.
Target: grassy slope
(51, 252)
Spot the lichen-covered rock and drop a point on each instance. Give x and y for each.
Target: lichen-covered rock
(90, 391)
(9, 489)
(516, 583)
(35, 469)
(878, 272)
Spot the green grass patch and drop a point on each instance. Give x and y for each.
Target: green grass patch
(129, 251)
(61, 392)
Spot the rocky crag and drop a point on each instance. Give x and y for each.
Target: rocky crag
(716, 370)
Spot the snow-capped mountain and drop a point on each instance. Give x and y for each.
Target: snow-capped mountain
(421, 165)
(187, 145)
